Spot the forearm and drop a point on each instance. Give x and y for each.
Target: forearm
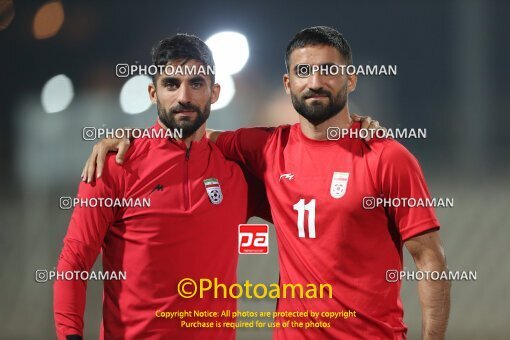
(428, 254)
(435, 302)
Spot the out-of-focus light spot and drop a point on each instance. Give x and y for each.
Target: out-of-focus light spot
(230, 51)
(48, 20)
(57, 94)
(133, 96)
(228, 90)
(6, 13)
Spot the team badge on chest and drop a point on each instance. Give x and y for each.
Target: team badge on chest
(339, 184)
(212, 186)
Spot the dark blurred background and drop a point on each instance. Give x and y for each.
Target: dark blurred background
(58, 62)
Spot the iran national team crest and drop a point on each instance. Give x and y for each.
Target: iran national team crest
(339, 184)
(212, 185)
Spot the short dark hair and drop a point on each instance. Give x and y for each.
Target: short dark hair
(182, 47)
(319, 35)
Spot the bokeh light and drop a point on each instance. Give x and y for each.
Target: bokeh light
(48, 20)
(134, 98)
(6, 13)
(57, 94)
(230, 51)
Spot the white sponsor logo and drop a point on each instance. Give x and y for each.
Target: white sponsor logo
(288, 176)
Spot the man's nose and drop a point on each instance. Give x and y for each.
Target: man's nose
(184, 94)
(315, 81)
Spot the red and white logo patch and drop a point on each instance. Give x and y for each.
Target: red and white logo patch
(212, 186)
(253, 239)
(339, 184)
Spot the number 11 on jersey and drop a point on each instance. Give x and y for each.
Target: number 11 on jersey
(301, 207)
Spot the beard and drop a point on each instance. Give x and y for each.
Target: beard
(318, 112)
(188, 125)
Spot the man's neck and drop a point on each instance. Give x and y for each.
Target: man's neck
(341, 120)
(196, 136)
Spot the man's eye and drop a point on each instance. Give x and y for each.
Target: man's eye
(171, 86)
(196, 85)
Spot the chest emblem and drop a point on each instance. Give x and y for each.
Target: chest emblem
(212, 186)
(339, 184)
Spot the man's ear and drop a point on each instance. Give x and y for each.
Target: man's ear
(152, 93)
(215, 93)
(286, 83)
(352, 80)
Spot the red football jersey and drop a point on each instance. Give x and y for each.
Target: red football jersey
(325, 236)
(197, 200)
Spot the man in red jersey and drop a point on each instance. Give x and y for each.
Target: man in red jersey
(188, 231)
(317, 187)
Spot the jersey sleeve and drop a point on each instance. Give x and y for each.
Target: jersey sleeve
(258, 204)
(402, 177)
(82, 243)
(246, 146)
